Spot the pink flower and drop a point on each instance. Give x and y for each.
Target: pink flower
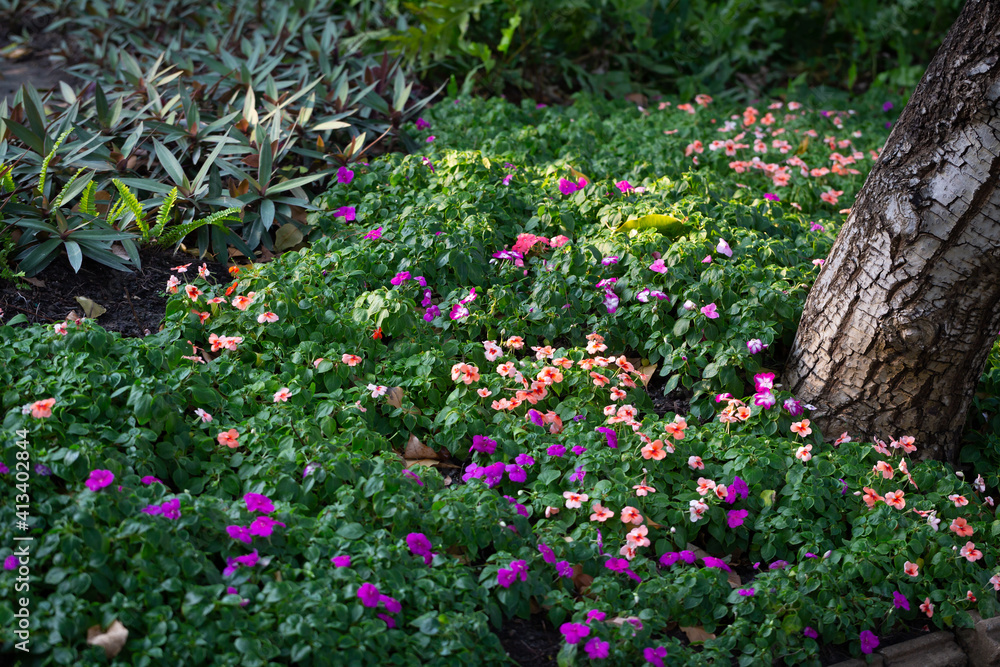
(348, 213)
(970, 552)
(658, 266)
(724, 249)
(281, 396)
(99, 479)
(344, 175)
(709, 311)
(341, 561)
(204, 416)
(927, 607)
(559, 241)
(267, 317)
(374, 235)
(911, 569)
(42, 409)
(707, 260)
(257, 502)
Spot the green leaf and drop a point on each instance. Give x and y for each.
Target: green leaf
(351, 531)
(171, 165)
(75, 255)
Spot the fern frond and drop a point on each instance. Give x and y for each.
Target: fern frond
(218, 218)
(6, 182)
(132, 204)
(164, 215)
(48, 158)
(87, 204)
(62, 193)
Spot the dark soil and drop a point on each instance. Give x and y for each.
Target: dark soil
(678, 401)
(135, 302)
(531, 643)
(831, 655)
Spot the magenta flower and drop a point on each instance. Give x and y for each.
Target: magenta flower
(747, 592)
(556, 450)
(431, 138)
(595, 615)
(422, 124)
(391, 604)
(738, 487)
(524, 460)
(659, 266)
(11, 562)
(655, 656)
(548, 555)
(344, 175)
(574, 632)
(610, 434)
(718, 563)
(374, 235)
(869, 642)
(794, 407)
(369, 595)
(707, 260)
(516, 473)
(420, 546)
(249, 560)
(99, 479)
(709, 311)
(400, 278)
(564, 569)
(735, 518)
(459, 311)
(597, 649)
(578, 449)
(264, 526)
(764, 399)
(770, 196)
(239, 533)
(258, 503)
(616, 564)
(809, 632)
(755, 346)
(578, 474)
(536, 417)
(887, 106)
(611, 301)
(899, 601)
(624, 186)
(341, 561)
(569, 187)
(171, 509)
(149, 479)
(608, 261)
(348, 213)
(480, 443)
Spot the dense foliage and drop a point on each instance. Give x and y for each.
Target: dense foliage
(435, 418)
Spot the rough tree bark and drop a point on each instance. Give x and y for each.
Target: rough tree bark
(898, 326)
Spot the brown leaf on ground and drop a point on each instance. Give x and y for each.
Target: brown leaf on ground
(697, 635)
(34, 281)
(430, 463)
(394, 397)
(582, 581)
(647, 373)
(90, 308)
(418, 450)
(112, 641)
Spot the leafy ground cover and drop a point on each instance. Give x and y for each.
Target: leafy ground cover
(437, 417)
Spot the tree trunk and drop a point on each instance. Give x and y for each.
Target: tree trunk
(898, 326)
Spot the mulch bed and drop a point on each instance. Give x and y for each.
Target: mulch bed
(135, 301)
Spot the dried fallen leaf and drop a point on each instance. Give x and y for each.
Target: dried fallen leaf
(34, 281)
(288, 236)
(111, 641)
(418, 450)
(622, 620)
(90, 308)
(647, 373)
(394, 397)
(734, 579)
(71, 316)
(697, 635)
(582, 581)
(421, 462)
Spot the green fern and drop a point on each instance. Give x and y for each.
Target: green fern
(219, 218)
(129, 202)
(6, 182)
(48, 158)
(164, 215)
(87, 204)
(62, 194)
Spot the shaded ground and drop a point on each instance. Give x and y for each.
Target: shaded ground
(135, 302)
(28, 60)
(531, 643)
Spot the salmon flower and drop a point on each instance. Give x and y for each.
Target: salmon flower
(599, 380)
(911, 569)
(229, 438)
(895, 499)
(350, 359)
(601, 513)
(802, 428)
(961, 527)
(243, 301)
(654, 450)
(42, 409)
(631, 515)
(970, 552)
(575, 500)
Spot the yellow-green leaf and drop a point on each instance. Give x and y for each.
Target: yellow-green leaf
(666, 225)
(91, 309)
(287, 236)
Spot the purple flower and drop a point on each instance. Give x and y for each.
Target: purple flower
(239, 533)
(152, 509)
(420, 546)
(578, 449)
(887, 106)
(258, 503)
(309, 469)
(747, 592)
(770, 196)
(809, 632)
(369, 595)
(4, 469)
(735, 518)
(595, 615)
(574, 632)
(793, 406)
(264, 526)
(624, 186)
(556, 450)
(778, 565)
(493, 473)
(506, 179)
(548, 555)
(400, 278)
(11, 562)
(843, 490)
(816, 227)
(348, 213)
(341, 561)
(344, 175)
(389, 622)
(724, 249)
(616, 564)
(658, 266)
(755, 346)
(869, 642)
(739, 487)
(597, 649)
(516, 473)
(99, 479)
(610, 434)
(231, 567)
(655, 656)
(480, 443)
(412, 475)
(608, 261)
(578, 474)
(422, 124)
(611, 301)
(374, 235)
(536, 417)
(564, 569)
(718, 563)
(171, 509)
(709, 311)
(524, 460)
(149, 479)
(249, 560)
(899, 601)
(431, 138)
(432, 312)
(764, 399)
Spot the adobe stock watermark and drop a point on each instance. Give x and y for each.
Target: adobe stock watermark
(22, 543)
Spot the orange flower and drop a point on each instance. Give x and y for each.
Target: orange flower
(378, 334)
(232, 288)
(802, 428)
(895, 499)
(233, 270)
(42, 409)
(229, 438)
(599, 380)
(871, 497)
(961, 527)
(631, 515)
(654, 450)
(563, 362)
